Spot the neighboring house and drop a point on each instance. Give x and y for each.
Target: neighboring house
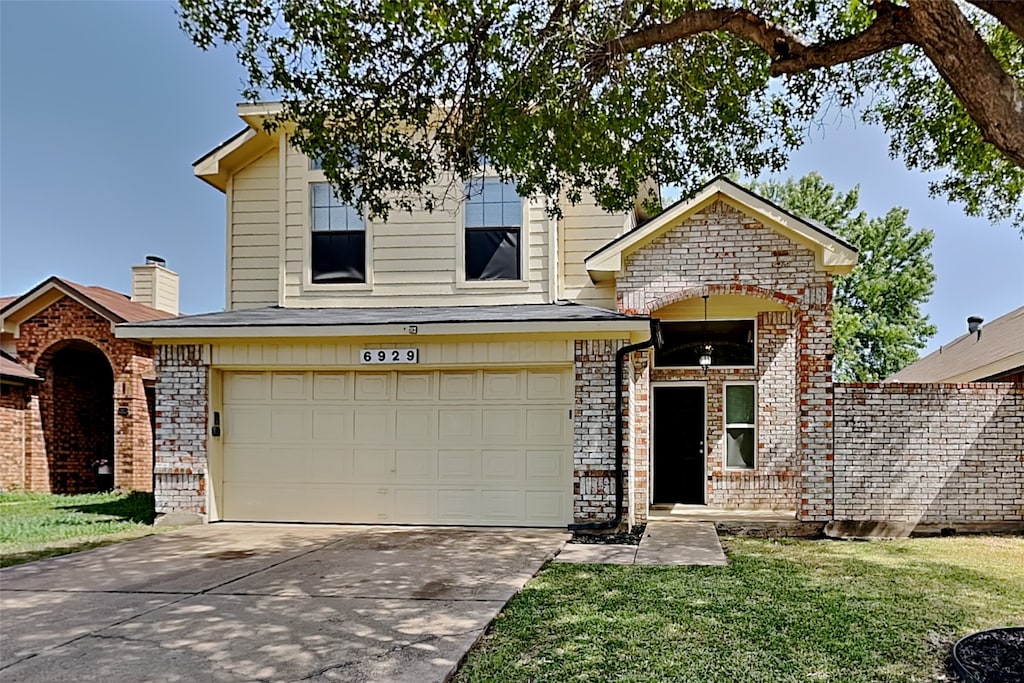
(77, 403)
(459, 367)
(993, 352)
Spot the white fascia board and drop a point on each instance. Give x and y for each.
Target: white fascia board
(267, 333)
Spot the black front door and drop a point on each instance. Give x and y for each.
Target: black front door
(678, 444)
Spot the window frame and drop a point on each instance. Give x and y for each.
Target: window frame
(726, 425)
(312, 177)
(462, 282)
(712, 367)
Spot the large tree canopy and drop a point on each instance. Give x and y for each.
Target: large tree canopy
(878, 326)
(398, 97)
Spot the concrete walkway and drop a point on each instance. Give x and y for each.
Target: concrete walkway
(245, 602)
(665, 544)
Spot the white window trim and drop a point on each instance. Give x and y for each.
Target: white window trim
(712, 368)
(726, 425)
(460, 247)
(312, 177)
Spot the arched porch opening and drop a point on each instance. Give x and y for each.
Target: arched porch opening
(77, 405)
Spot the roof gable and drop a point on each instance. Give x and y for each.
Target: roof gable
(114, 306)
(832, 253)
(218, 165)
(996, 349)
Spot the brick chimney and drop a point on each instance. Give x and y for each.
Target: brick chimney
(156, 286)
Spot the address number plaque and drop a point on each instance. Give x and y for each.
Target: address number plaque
(388, 356)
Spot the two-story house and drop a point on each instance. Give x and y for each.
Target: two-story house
(460, 366)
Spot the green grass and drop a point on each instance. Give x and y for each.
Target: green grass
(38, 525)
(781, 611)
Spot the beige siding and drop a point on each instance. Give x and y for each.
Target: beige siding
(414, 257)
(254, 251)
(585, 228)
(436, 352)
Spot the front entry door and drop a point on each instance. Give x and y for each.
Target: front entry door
(678, 444)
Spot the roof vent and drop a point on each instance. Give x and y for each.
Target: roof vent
(974, 325)
(157, 261)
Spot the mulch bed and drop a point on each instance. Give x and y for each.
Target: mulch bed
(993, 656)
(631, 537)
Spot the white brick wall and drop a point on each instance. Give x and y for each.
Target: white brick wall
(929, 453)
(181, 409)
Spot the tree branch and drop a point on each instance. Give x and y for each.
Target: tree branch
(992, 98)
(1010, 14)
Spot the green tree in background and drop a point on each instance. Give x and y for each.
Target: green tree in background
(877, 321)
(398, 97)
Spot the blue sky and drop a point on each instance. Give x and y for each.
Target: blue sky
(104, 106)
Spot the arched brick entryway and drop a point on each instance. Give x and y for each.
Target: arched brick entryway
(77, 410)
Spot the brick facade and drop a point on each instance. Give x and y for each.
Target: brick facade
(181, 409)
(15, 403)
(91, 405)
(722, 251)
(929, 453)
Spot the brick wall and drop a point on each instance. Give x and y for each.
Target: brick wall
(594, 431)
(929, 453)
(181, 410)
(14, 411)
(722, 251)
(52, 462)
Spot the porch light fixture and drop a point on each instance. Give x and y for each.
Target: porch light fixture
(705, 354)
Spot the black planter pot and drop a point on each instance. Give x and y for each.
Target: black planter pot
(992, 656)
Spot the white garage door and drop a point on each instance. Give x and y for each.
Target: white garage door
(490, 447)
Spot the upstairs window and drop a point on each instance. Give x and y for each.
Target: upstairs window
(731, 341)
(493, 222)
(338, 245)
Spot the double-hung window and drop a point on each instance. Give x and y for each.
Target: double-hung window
(338, 242)
(494, 225)
(740, 426)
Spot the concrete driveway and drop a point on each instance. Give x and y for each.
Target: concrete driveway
(239, 602)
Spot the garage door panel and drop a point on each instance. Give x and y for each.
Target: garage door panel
(547, 508)
(289, 386)
(331, 386)
(373, 386)
(547, 424)
(458, 506)
(415, 465)
(482, 446)
(457, 423)
(501, 424)
(290, 424)
(247, 424)
(332, 424)
(415, 386)
(546, 465)
(246, 386)
(502, 506)
(416, 426)
(458, 386)
(333, 464)
(373, 425)
(502, 385)
(502, 465)
(373, 465)
(458, 464)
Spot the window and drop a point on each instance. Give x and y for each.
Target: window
(493, 220)
(740, 426)
(338, 244)
(732, 343)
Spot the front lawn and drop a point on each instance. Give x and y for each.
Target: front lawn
(781, 611)
(38, 525)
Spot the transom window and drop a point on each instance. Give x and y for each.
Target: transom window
(338, 244)
(493, 220)
(740, 426)
(731, 341)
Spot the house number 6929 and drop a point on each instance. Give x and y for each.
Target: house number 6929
(378, 356)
